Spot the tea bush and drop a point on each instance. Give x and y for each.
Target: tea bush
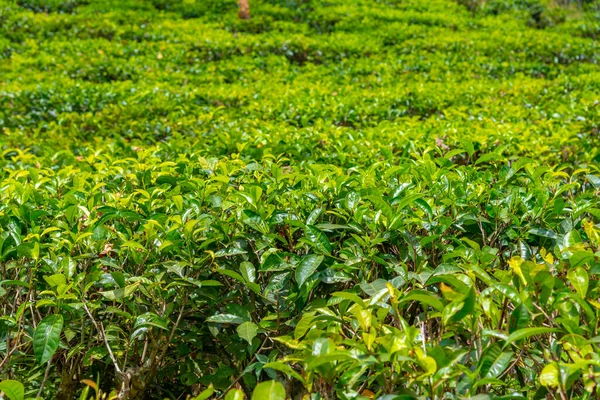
(393, 199)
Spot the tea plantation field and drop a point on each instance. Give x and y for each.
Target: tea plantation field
(335, 199)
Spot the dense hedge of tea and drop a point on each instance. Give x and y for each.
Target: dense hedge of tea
(358, 199)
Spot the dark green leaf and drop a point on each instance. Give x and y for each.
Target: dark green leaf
(225, 319)
(308, 265)
(47, 337)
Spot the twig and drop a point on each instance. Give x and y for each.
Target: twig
(242, 373)
(8, 350)
(540, 309)
(39, 394)
(360, 389)
(125, 376)
(144, 351)
(501, 320)
(100, 330)
(164, 352)
(112, 356)
(482, 231)
(423, 337)
(511, 366)
(12, 350)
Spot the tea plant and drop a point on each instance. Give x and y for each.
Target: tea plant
(332, 199)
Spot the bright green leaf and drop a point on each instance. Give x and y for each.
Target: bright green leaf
(247, 331)
(12, 389)
(270, 390)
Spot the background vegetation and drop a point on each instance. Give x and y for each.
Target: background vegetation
(391, 199)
